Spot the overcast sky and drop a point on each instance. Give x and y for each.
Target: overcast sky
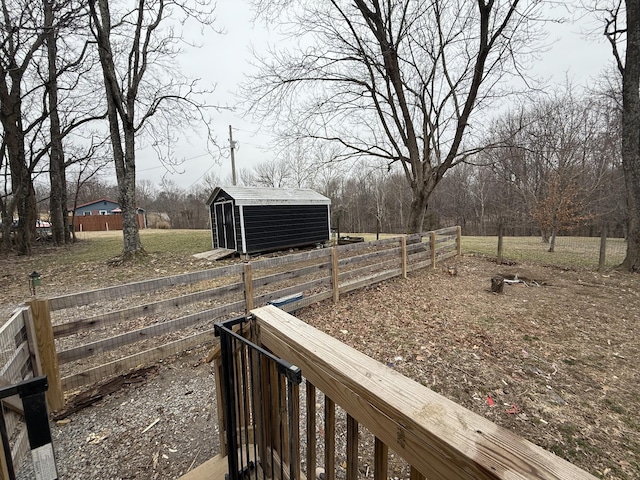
(224, 60)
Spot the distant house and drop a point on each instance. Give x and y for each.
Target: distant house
(102, 215)
(254, 219)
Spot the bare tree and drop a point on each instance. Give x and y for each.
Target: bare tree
(622, 27)
(397, 80)
(142, 83)
(21, 38)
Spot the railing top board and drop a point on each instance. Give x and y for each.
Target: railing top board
(440, 438)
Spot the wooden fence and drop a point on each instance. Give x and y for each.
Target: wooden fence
(19, 360)
(100, 333)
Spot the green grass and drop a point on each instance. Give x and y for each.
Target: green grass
(569, 251)
(102, 246)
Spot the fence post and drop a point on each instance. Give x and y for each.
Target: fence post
(47, 350)
(603, 248)
(403, 253)
(432, 242)
(459, 240)
(334, 274)
(247, 277)
(500, 243)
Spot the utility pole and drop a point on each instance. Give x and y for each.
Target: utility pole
(232, 144)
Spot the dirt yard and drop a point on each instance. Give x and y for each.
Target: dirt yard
(553, 358)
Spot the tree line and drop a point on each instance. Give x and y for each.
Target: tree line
(551, 166)
(401, 90)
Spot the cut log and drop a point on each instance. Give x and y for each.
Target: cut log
(497, 284)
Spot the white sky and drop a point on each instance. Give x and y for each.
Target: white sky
(224, 60)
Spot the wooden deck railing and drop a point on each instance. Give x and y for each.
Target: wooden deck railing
(437, 437)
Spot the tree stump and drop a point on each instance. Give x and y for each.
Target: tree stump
(497, 284)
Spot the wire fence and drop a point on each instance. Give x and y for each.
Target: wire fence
(568, 251)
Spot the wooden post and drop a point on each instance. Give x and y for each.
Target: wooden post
(432, 242)
(329, 439)
(47, 350)
(403, 249)
(32, 342)
(311, 431)
(248, 287)
(334, 274)
(500, 235)
(415, 474)
(381, 460)
(459, 240)
(603, 248)
(352, 448)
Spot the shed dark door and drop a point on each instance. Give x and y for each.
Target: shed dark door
(225, 225)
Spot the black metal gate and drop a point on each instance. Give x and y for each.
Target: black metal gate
(261, 406)
(36, 418)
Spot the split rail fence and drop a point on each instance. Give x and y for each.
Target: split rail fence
(93, 335)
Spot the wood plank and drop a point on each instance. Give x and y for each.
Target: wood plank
(403, 256)
(311, 431)
(335, 274)
(368, 270)
(370, 280)
(444, 256)
(354, 247)
(446, 231)
(291, 259)
(247, 278)
(20, 449)
(432, 245)
(41, 313)
(329, 438)
(215, 254)
(32, 342)
(440, 438)
(416, 475)
(117, 341)
(280, 277)
(98, 321)
(12, 370)
(389, 252)
(294, 418)
(148, 356)
(283, 292)
(380, 460)
(352, 448)
(306, 301)
(128, 289)
(213, 469)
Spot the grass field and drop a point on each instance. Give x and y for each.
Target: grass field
(569, 251)
(102, 246)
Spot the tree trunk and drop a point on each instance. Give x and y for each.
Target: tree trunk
(417, 210)
(57, 177)
(127, 188)
(552, 242)
(631, 134)
(21, 182)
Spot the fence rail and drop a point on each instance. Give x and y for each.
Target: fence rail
(103, 332)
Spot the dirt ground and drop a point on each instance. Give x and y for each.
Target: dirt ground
(553, 358)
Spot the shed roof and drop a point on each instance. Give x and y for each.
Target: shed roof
(271, 196)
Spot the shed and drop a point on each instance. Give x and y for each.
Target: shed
(259, 219)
